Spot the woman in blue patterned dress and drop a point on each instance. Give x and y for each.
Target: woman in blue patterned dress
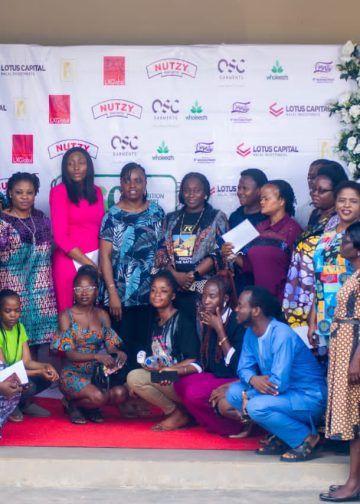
(83, 331)
(130, 233)
(25, 258)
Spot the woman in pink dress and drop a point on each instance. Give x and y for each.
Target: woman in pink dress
(76, 208)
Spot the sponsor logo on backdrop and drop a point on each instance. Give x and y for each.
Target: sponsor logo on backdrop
(231, 69)
(3, 108)
(163, 153)
(276, 150)
(196, 113)
(224, 190)
(117, 108)
(22, 149)
(326, 148)
(61, 146)
(323, 72)
(68, 70)
(277, 72)
(21, 70)
(298, 110)
(240, 112)
(171, 67)
(165, 110)
(59, 109)
(20, 110)
(125, 146)
(203, 153)
(114, 70)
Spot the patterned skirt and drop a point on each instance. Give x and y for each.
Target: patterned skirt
(343, 407)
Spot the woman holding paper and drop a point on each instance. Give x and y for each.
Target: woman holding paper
(268, 256)
(77, 208)
(14, 348)
(189, 247)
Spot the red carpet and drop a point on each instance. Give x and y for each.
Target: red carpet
(114, 433)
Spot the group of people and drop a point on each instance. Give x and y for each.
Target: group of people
(152, 309)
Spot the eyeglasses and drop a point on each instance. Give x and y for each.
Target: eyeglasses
(89, 288)
(320, 190)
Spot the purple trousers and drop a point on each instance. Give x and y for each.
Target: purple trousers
(194, 391)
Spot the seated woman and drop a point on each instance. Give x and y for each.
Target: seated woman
(83, 330)
(173, 340)
(268, 256)
(220, 353)
(13, 348)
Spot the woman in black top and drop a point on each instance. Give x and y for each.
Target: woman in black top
(174, 346)
(220, 352)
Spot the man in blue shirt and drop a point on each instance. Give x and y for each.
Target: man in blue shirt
(282, 387)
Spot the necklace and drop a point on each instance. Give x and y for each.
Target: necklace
(196, 224)
(32, 231)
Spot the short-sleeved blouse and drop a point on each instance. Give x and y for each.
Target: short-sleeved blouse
(135, 238)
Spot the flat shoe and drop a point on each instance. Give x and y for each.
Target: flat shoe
(75, 415)
(328, 497)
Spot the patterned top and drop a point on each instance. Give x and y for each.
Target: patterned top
(300, 289)
(135, 238)
(25, 267)
(331, 272)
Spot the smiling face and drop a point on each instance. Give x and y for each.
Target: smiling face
(248, 192)
(348, 206)
(194, 195)
(22, 196)
(270, 202)
(85, 291)
(133, 186)
(161, 294)
(10, 311)
(322, 194)
(77, 167)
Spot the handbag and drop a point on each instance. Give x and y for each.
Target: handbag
(99, 378)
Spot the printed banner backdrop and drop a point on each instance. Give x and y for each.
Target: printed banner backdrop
(173, 109)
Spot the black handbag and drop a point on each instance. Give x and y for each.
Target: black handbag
(99, 378)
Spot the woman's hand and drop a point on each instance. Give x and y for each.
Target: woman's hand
(313, 338)
(105, 359)
(50, 373)
(121, 359)
(213, 320)
(354, 370)
(184, 280)
(115, 306)
(164, 370)
(217, 394)
(10, 388)
(227, 250)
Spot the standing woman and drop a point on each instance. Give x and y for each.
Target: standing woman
(130, 234)
(25, 258)
(76, 207)
(330, 267)
(268, 256)
(190, 242)
(300, 289)
(343, 414)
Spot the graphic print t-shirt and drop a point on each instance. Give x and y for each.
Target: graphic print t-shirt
(184, 241)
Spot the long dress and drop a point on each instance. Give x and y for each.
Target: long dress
(343, 407)
(25, 267)
(77, 375)
(74, 226)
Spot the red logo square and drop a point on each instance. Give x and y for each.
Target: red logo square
(114, 70)
(59, 109)
(22, 149)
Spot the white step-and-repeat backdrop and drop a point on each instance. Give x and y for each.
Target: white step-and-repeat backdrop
(173, 109)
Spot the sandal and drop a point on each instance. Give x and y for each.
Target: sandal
(16, 415)
(275, 446)
(303, 452)
(94, 415)
(74, 413)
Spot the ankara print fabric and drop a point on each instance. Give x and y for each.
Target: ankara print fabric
(135, 238)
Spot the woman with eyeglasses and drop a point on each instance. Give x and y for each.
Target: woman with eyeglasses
(84, 330)
(299, 288)
(330, 267)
